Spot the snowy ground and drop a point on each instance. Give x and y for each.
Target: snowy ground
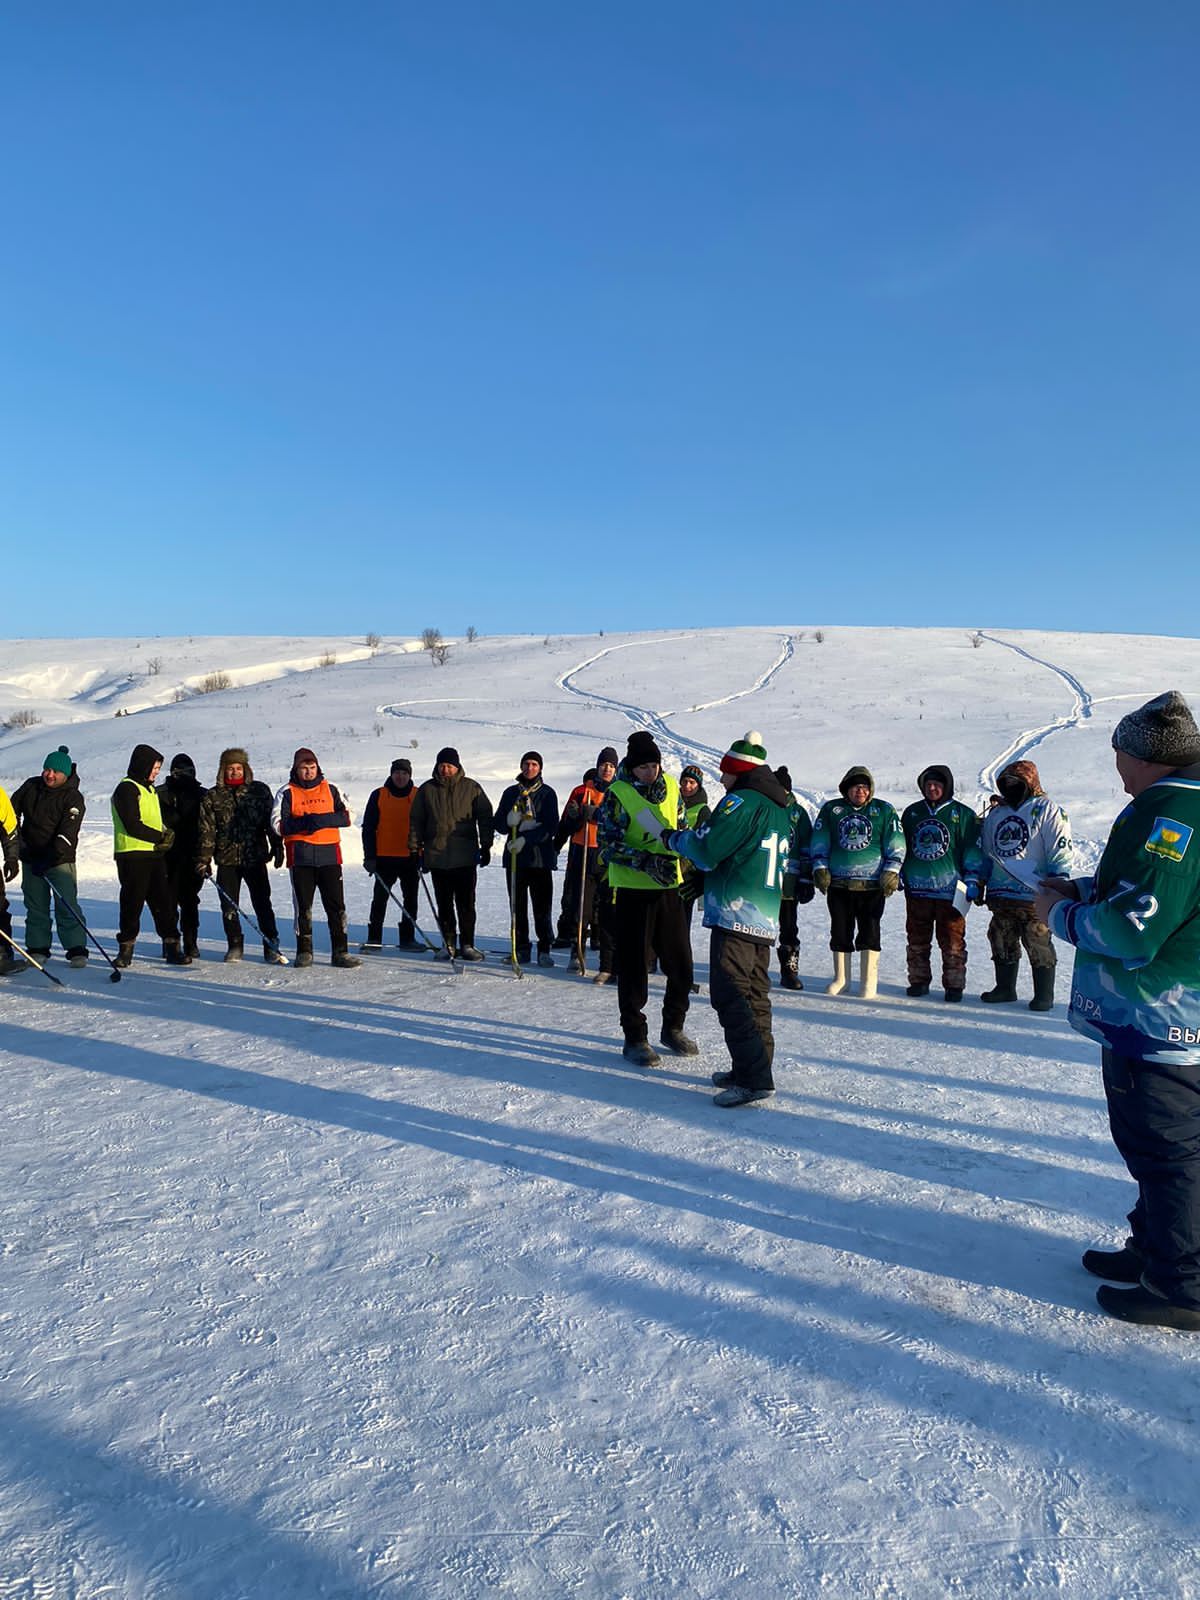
(400, 1283)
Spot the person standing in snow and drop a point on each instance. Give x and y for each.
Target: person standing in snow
(386, 854)
(236, 833)
(10, 961)
(797, 885)
(309, 816)
(179, 797)
(857, 853)
(742, 851)
(49, 809)
(941, 838)
(1025, 837)
(141, 840)
(528, 810)
(450, 832)
(1135, 928)
(584, 872)
(644, 876)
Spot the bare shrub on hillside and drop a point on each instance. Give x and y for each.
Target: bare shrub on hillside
(430, 639)
(440, 654)
(976, 639)
(819, 635)
(373, 642)
(472, 635)
(25, 718)
(154, 666)
(328, 659)
(214, 682)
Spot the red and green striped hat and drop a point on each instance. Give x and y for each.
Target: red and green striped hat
(745, 754)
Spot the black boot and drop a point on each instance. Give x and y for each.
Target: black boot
(916, 990)
(1043, 989)
(272, 955)
(191, 948)
(304, 950)
(235, 952)
(789, 967)
(1118, 1266)
(124, 953)
(174, 956)
(1006, 983)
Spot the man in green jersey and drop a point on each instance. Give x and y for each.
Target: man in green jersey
(742, 851)
(1136, 990)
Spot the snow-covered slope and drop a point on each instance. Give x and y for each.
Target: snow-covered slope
(401, 1283)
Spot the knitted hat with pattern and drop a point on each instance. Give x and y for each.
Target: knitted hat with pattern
(1162, 730)
(745, 754)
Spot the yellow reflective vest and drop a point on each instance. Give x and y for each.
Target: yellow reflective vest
(631, 802)
(150, 813)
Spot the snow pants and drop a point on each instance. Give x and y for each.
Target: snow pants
(404, 871)
(645, 919)
(568, 914)
(325, 880)
(739, 988)
(185, 883)
(854, 918)
(41, 904)
(258, 885)
(1015, 923)
(531, 885)
(924, 917)
(454, 892)
(1154, 1116)
(142, 875)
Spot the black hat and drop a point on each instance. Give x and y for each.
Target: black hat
(607, 756)
(182, 766)
(402, 764)
(642, 750)
(784, 778)
(532, 755)
(448, 757)
(1163, 730)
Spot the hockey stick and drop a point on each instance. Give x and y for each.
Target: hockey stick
(445, 944)
(245, 918)
(511, 868)
(115, 976)
(583, 868)
(425, 944)
(21, 951)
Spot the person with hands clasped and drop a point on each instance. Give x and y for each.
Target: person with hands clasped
(309, 815)
(1025, 837)
(941, 839)
(450, 832)
(528, 810)
(49, 808)
(386, 855)
(1135, 989)
(236, 836)
(857, 854)
(140, 844)
(644, 876)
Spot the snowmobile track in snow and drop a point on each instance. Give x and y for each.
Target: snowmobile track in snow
(1031, 738)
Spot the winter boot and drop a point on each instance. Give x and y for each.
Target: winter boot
(124, 953)
(954, 995)
(841, 972)
(1147, 1307)
(468, 952)
(916, 990)
(603, 977)
(443, 953)
(1043, 989)
(77, 956)
(373, 941)
(272, 955)
(342, 958)
(722, 1079)
(191, 949)
(1006, 983)
(235, 952)
(174, 956)
(573, 965)
(406, 939)
(789, 968)
(738, 1095)
(868, 974)
(304, 953)
(678, 1043)
(545, 959)
(1118, 1266)
(640, 1053)
(10, 963)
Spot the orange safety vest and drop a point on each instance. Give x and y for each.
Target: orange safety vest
(587, 797)
(391, 832)
(307, 801)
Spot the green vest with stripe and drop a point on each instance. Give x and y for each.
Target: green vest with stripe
(667, 812)
(150, 813)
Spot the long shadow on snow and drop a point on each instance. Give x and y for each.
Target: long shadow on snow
(979, 1248)
(168, 1521)
(1057, 1426)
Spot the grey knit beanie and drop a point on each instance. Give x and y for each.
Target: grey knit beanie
(1162, 730)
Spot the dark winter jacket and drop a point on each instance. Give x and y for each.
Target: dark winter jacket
(538, 804)
(126, 803)
(49, 821)
(235, 824)
(179, 797)
(451, 822)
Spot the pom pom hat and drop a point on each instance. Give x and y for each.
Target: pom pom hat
(745, 754)
(58, 761)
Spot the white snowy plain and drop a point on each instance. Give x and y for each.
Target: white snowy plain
(402, 1283)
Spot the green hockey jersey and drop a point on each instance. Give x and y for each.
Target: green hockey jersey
(743, 852)
(941, 847)
(857, 844)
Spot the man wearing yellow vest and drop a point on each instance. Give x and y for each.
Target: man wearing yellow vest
(647, 911)
(309, 816)
(386, 854)
(140, 845)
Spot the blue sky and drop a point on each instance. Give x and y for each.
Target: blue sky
(553, 317)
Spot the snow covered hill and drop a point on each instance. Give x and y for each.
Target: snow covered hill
(401, 1283)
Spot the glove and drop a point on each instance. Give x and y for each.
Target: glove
(514, 846)
(484, 858)
(278, 857)
(649, 823)
(11, 868)
(692, 887)
(527, 826)
(167, 840)
(804, 893)
(889, 883)
(976, 893)
(204, 869)
(822, 878)
(663, 869)
(369, 865)
(515, 817)
(589, 812)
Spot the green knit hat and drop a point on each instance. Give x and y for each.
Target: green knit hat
(745, 754)
(59, 761)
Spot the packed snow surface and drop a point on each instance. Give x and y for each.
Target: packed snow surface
(402, 1283)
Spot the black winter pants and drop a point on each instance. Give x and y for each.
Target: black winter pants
(645, 919)
(1154, 1115)
(5, 921)
(307, 882)
(531, 885)
(789, 928)
(739, 989)
(142, 875)
(568, 916)
(258, 885)
(184, 882)
(854, 917)
(404, 871)
(454, 892)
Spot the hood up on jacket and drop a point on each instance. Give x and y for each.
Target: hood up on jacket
(141, 762)
(1017, 782)
(939, 774)
(857, 775)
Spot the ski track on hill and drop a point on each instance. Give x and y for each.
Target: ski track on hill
(1031, 738)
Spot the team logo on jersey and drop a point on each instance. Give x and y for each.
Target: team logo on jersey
(854, 831)
(1169, 838)
(1011, 838)
(931, 841)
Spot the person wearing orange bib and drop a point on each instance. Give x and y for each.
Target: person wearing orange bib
(309, 816)
(386, 854)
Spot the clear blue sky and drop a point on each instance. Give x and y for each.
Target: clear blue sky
(553, 317)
